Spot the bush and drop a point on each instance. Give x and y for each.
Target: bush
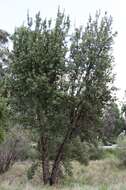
(121, 152)
(24, 148)
(14, 147)
(95, 153)
(8, 154)
(31, 171)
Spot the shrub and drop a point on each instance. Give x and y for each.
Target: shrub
(95, 153)
(121, 152)
(8, 154)
(13, 148)
(31, 171)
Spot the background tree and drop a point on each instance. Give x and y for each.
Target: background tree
(60, 82)
(3, 63)
(123, 109)
(113, 123)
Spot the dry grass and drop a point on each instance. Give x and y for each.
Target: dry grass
(98, 172)
(98, 175)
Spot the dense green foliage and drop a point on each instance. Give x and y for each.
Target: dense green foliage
(3, 71)
(59, 84)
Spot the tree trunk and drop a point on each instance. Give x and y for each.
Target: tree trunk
(45, 161)
(55, 169)
(43, 147)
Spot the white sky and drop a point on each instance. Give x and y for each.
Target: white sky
(13, 13)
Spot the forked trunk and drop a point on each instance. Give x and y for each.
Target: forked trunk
(55, 169)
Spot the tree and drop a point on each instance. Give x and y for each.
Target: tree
(60, 82)
(113, 123)
(123, 109)
(3, 61)
(89, 71)
(38, 62)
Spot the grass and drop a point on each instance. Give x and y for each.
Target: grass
(98, 175)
